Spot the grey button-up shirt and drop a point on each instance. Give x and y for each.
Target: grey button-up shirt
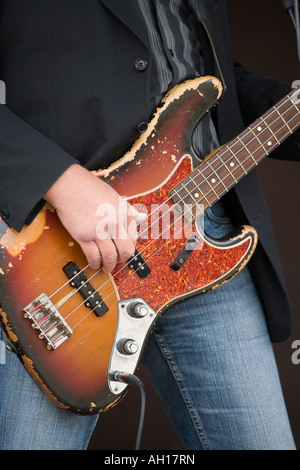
(173, 39)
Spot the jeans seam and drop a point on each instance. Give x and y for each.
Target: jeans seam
(194, 416)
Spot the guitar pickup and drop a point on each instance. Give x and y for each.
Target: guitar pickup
(78, 279)
(185, 253)
(138, 263)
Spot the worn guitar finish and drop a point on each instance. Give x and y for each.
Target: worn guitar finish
(88, 323)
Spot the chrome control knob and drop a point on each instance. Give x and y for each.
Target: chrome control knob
(128, 346)
(138, 310)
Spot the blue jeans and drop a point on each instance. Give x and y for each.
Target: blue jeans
(211, 362)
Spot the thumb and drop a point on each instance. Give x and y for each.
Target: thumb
(137, 215)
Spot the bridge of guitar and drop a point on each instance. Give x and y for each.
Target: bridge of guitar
(48, 322)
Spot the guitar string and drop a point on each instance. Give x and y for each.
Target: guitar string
(219, 155)
(150, 215)
(191, 179)
(119, 286)
(125, 280)
(128, 277)
(147, 260)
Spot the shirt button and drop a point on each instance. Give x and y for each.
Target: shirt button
(142, 127)
(4, 214)
(141, 64)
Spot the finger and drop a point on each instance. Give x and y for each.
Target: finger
(125, 248)
(92, 254)
(137, 215)
(134, 223)
(108, 254)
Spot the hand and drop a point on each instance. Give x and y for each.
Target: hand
(97, 218)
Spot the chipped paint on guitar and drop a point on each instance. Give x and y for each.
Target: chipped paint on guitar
(70, 325)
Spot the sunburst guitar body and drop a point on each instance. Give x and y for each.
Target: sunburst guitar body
(70, 325)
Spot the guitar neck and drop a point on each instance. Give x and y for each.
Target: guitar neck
(224, 169)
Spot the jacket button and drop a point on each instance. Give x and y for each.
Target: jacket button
(4, 214)
(142, 127)
(141, 64)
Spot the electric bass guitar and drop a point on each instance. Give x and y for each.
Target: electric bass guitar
(72, 326)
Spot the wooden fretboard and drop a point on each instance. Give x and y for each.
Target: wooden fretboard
(220, 172)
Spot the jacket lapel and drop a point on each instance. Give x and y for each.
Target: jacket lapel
(205, 10)
(127, 13)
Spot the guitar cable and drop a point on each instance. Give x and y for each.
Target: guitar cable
(131, 379)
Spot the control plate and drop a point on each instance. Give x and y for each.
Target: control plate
(133, 329)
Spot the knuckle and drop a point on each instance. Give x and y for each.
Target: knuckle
(110, 257)
(95, 258)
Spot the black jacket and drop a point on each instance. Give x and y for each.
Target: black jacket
(74, 92)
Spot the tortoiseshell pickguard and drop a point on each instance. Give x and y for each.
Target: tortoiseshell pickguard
(76, 374)
(208, 266)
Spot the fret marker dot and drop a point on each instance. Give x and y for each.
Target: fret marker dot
(231, 164)
(196, 194)
(213, 180)
(269, 143)
(259, 128)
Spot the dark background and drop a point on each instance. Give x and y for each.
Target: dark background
(264, 40)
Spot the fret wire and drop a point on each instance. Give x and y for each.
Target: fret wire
(212, 189)
(208, 182)
(191, 180)
(296, 125)
(194, 177)
(265, 133)
(293, 103)
(226, 189)
(274, 135)
(197, 183)
(216, 174)
(258, 140)
(221, 158)
(255, 124)
(235, 157)
(240, 165)
(217, 196)
(245, 146)
(286, 124)
(181, 199)
(210, 178)
(218, 156)
(286, 109)
(280, 115)
(224, 165)
(229, 171)
(293, 94)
